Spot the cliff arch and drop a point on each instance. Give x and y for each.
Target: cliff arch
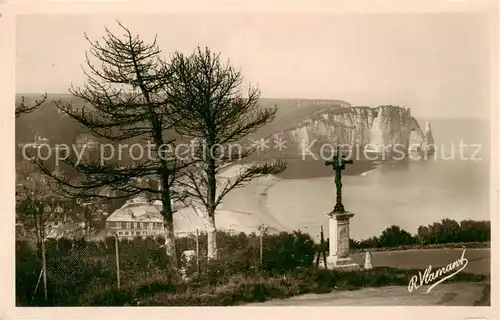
(392, 128)
(426, 144)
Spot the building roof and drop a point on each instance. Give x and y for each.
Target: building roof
(187, 219)
(138, 209)
(137, 212)
(64, 230)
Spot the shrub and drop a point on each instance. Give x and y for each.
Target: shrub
(447, 231)
(28, 267)
(288, 251)
(471, 231)
(450, 231)
(76, 268)
(394, 236)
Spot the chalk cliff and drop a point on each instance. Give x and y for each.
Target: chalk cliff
(372, 129)
(299, 123)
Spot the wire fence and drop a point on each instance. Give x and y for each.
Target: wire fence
(62, 267)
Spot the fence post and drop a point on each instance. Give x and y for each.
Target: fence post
(44, 270)
(37, 284)
(117, 261)
(197, 252)
(318, 251)
(323, 246)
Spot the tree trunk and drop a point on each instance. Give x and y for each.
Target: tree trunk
(168, 224)
(212, 189)
(212, 240)
(170, 244)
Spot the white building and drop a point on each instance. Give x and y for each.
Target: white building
(136, 218)
(140, 218)
(86, 141)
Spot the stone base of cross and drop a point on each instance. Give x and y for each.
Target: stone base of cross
(338, 257)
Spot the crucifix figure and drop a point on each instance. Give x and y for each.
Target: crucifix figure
(338, 164)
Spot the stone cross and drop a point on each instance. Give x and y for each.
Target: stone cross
(338, 164)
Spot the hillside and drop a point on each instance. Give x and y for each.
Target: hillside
(299, 123)
(58, 128)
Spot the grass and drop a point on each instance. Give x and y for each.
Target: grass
(81, 273)
(238, 289)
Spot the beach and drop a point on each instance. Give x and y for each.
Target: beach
(407, 194)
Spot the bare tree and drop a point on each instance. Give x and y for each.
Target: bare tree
(34, 216)
(207, 105)
(23, 108)
(123, 103)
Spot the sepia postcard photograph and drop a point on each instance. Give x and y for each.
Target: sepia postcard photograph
(249, 157)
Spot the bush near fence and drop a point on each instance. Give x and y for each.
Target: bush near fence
(77, 269)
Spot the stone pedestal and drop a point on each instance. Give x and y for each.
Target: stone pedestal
(339, 241)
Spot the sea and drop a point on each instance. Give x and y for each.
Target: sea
(453, 183)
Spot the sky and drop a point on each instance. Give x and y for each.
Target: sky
(436, 64)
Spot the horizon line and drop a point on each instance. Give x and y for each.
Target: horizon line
(328, 99)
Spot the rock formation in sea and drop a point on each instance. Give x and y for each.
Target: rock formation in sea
(429, 139)
(373, 129)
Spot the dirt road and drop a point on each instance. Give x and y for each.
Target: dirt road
(453, 294)
(478, 259)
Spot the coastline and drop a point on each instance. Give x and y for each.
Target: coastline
(309, 169)
(264, 197)
(380, 194)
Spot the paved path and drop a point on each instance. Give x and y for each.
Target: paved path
(479, 259)
(453, 294)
